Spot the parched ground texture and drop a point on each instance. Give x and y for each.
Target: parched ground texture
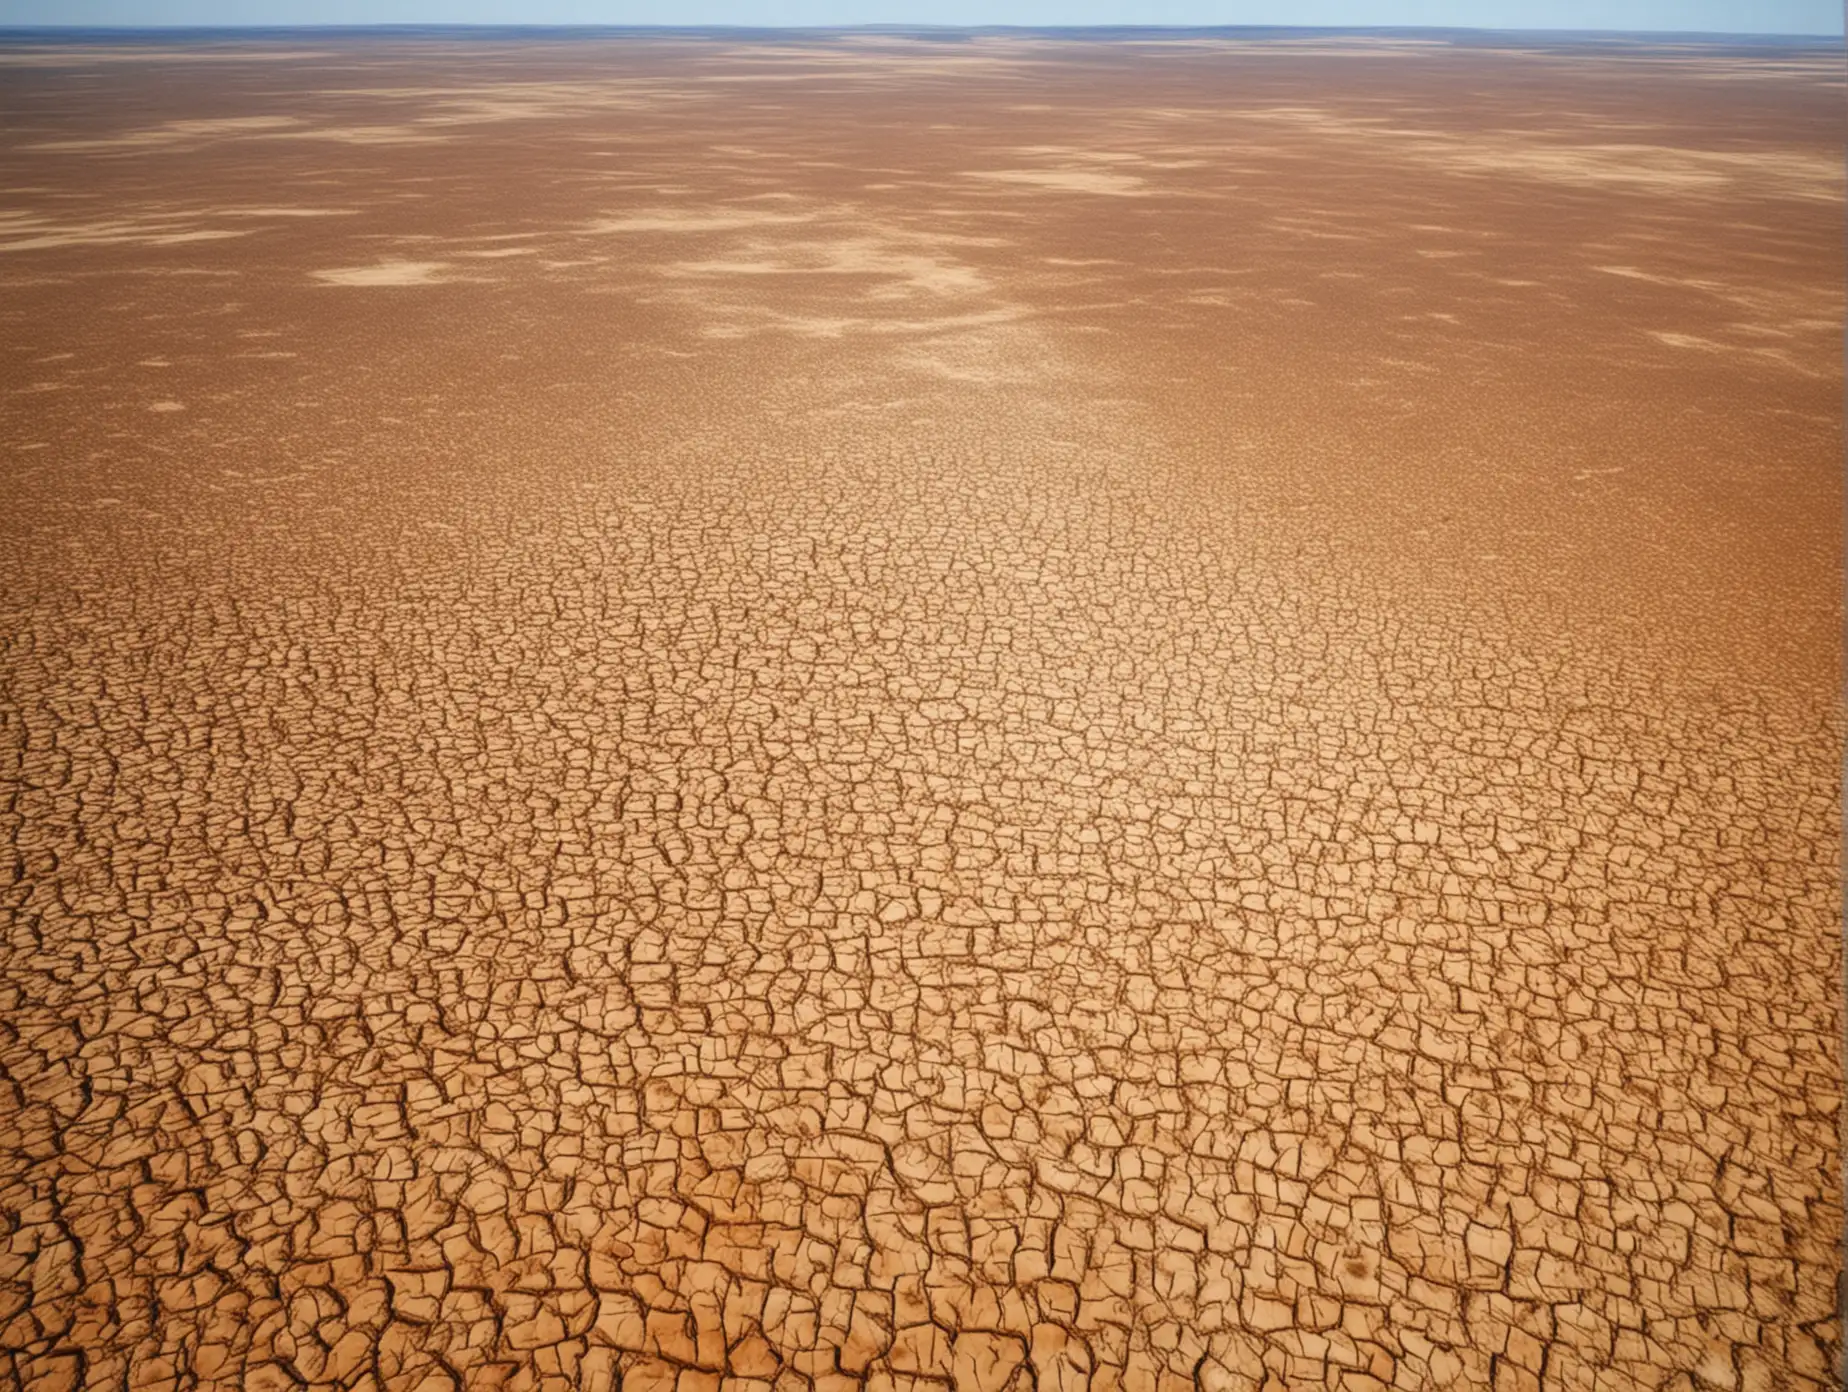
(981, 713)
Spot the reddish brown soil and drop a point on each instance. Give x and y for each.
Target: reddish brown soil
(885, 712)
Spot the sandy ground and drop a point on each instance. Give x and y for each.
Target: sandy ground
(906, 714)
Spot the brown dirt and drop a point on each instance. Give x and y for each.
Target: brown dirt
(900, 713)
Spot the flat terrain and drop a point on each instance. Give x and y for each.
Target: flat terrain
(1011, 712)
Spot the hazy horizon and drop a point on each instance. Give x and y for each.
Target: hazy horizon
(1785, 18)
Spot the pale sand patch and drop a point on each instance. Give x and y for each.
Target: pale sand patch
(873, 61)
(823, 326)
(1007, 314)
(385, 273)
(182, 272)
(364, 135)
(1773, 313)
(1068, 180)
(1652, 166)
(284, 212)
(518, 101)
(1691, 63)
(471, 113)
(912, 272)
(175, 133)
(1072, 152)
(181, 134)
(164, 406)
(1779, 357)
(230, 125)
(1302, 227)
(1552, 155)
(671, 221)
(41, 233)
(204, 234)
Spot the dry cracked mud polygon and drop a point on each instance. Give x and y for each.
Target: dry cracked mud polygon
(858, 712)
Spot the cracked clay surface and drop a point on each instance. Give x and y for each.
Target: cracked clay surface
(1012, 714)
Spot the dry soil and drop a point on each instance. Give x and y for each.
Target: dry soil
(866, 711)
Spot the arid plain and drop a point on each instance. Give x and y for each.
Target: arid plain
(915, 713)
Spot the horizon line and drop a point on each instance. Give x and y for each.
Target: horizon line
(8, 30)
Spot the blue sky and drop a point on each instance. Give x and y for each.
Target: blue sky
(1718, 16)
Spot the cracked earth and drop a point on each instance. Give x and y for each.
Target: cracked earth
(919, 715)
